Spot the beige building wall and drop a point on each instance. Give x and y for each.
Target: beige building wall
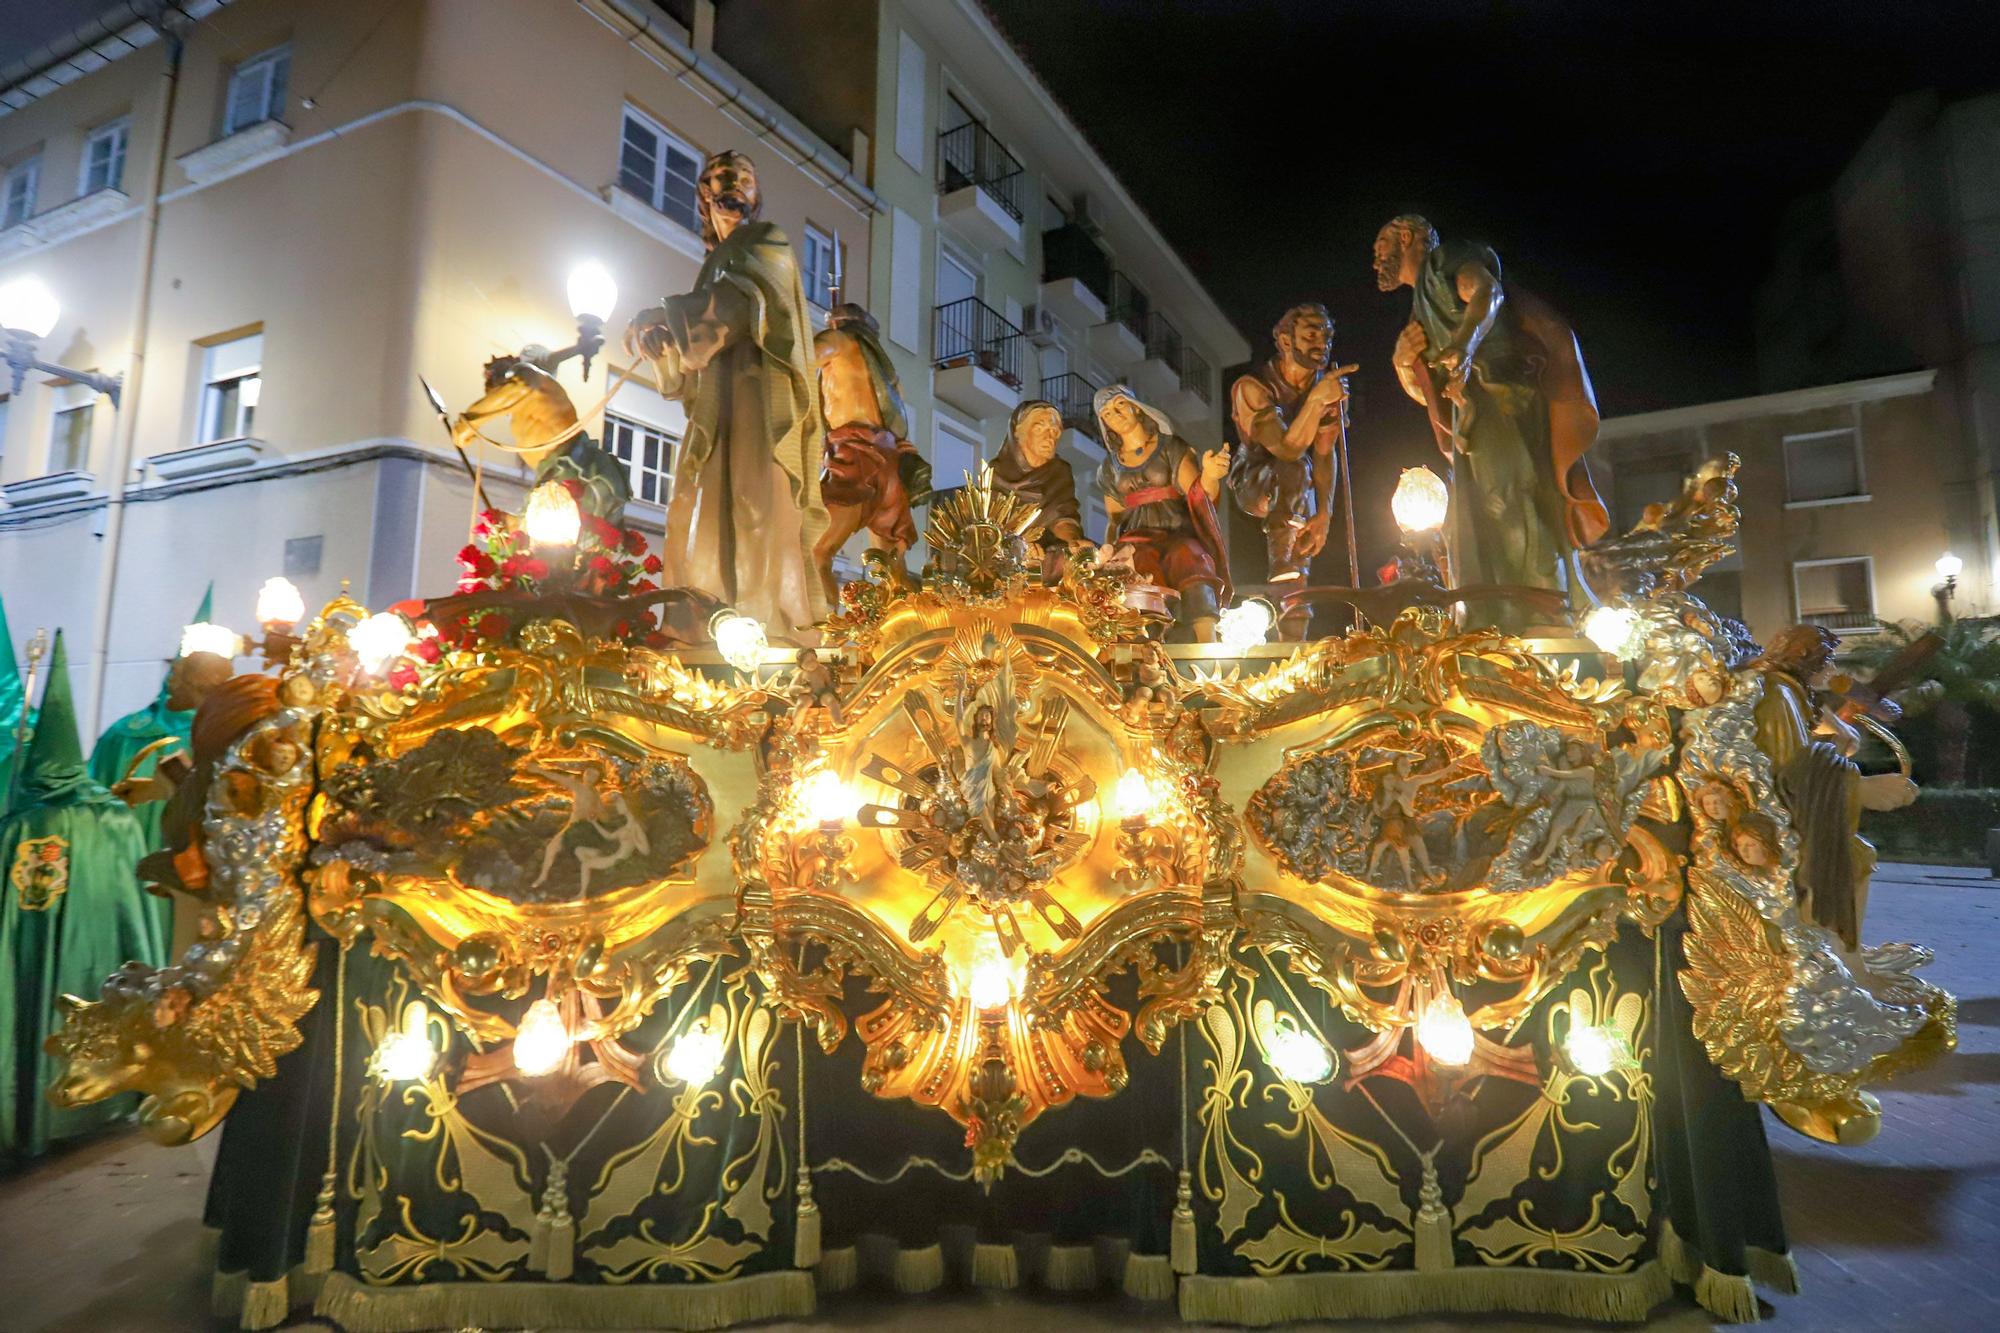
(1802, 554)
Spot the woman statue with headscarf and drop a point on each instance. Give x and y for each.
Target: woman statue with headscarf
(1159, 495)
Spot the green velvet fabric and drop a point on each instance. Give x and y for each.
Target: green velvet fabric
(71, 913)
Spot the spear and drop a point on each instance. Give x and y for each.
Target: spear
(444, 415)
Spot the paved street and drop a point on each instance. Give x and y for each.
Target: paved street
(1901, 1234)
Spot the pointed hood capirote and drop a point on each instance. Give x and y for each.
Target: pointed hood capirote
(52, 770)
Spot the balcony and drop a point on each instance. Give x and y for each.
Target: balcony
(978, 359)
(1073, 394)
(979, 187)
(1120, 341)
(1157, 377)
(1076, 276)
(1191, 399)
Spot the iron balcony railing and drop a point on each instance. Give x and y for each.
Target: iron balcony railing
(970, 155)
(1073, 394)
(972, 333)
(1195, 373)
(1129, 305)
(1163, 340)
(1070, 252)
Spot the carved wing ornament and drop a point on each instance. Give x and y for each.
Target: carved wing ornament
(987, 796)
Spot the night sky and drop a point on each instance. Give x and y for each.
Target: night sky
(1630, 162)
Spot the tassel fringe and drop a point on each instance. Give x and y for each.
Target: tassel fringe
(360, 1309)
(1183, 1248)
(1149, 1277)
(1730, 1299)
(916, 1271)
(1779, 1272)
(805, 1234)
(1432, 1223)
(838, 1270)
(320, 1233)
(1070, 1268)
(1260, 1301)
(996, 1266)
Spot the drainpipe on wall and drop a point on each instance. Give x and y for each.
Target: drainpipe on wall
(128, 414)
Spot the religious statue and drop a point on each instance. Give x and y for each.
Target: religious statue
(1160, 494)
(1030, 467)
(1288, 418)
(522, 386)
(872, 473)
(1811, 750)
(1503, 380)
(746, 514)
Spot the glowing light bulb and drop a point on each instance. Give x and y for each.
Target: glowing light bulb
(990, 985)
(593, 293)
(1420, 501)
(1594, 1051)
(1242, 627)
(1133, 797)
(1298, 1056)
(696, 1055)
(28, 305)
(1444, 1031)
(280, 603)
(406, 1053)
(1615, 629)
(552, 518)
(1949, 566)
(826, 798)
(541, 1041)
(739, 639)
(379, 640)
(202, 637)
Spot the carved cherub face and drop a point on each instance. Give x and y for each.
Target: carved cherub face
(1716, 802)
(1037, 436)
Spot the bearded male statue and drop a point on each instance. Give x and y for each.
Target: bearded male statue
(746, 512)
(1502, 378)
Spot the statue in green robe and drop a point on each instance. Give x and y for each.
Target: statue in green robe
(1503, 380)
(746, 511)
(71, 913)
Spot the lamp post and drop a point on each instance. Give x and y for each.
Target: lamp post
(28, 314)
(1420, 504)
(1948, 569)
(592, 294)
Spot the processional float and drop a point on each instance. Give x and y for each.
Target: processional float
(628, 973)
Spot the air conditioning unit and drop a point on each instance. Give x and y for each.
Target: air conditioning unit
(1043, 327)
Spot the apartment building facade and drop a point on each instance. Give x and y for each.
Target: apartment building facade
(274, 225)
(1844, 494)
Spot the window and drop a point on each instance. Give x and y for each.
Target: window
(648, 451)
(1824, 465)
(69, 433)
(17, 193)
(1836, 594)
(820, 258)
(658, 168)
(257, 90)
(232, 382)
(104, 158)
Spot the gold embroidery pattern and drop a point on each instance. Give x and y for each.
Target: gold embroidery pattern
(40, 874)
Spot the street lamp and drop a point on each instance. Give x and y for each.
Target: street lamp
(1948, 567)
(28, 314)
(592, 295)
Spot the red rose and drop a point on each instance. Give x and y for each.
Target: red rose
(645, 585)
(402, 676)
(651, 564)
(635, 541)
(428, 650)
(493, 625)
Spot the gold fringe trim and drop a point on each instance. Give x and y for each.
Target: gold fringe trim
(1675, 1257)
(838, 1270)
(208, 1250)
(996, 1266)
(1259, 1301)
(1182, 1247)
(705, 1305)
(913, 1272)
(1729, 1298)
(1769, 1268)
(1070, 1268)
(1150, 1277)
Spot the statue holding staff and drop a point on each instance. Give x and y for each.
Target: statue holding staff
(1289, 420)
(1503, 379)
(872, 474)
(746, 513)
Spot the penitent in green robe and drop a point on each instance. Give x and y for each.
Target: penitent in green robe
(71, 913)
(112, 756)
